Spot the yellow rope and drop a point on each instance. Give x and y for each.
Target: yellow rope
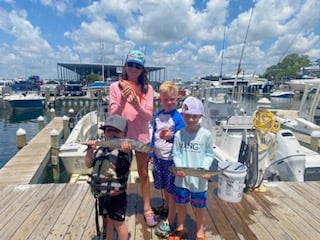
(265, 122)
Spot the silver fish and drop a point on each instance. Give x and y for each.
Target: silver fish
(116, 143)
(196, 172)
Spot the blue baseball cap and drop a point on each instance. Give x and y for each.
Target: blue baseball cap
(136, 56)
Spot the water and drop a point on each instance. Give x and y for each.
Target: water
(11, 121)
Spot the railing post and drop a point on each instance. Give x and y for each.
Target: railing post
(71, 119)
(55, 155)
(65, 127)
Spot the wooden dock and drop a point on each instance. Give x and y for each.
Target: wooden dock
(66, 211)
(29, 162)
(287, 210)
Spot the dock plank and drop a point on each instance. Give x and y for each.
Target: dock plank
(66, 211)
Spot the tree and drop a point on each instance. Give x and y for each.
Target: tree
(92, 77)
(289, 68)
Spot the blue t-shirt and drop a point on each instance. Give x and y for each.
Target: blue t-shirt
(194, 150)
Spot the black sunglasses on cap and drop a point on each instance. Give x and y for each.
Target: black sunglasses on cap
(136, 65)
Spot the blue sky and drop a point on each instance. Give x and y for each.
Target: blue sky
(184, 36)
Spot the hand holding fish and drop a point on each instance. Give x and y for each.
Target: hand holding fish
(91, 144)
(124, 146)
(130, 96)
(181, 173)
(196, 172)
(166, 134)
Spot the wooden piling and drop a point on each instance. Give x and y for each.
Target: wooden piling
(55, 155)
(65, 127)
(21, 138)
(40, 122)
(314, 142)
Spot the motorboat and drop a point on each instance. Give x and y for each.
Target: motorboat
(25, 100)
(5, 87)
(307, 119)
(73, 151)
(86, 126)
(269, 152)
(282, 94)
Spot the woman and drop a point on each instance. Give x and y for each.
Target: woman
(132, 98)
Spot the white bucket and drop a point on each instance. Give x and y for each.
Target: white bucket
(231, 182)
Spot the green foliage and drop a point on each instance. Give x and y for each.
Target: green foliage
(287, 69)
(92, 77)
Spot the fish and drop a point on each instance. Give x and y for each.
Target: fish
(116, 143)
(127, 84)
(197, 172)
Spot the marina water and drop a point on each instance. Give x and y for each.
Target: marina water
(11, 121)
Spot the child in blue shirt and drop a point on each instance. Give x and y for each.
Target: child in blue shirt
(166, 122)
(193, 147)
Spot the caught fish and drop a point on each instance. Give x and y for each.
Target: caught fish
(196, 172)
(116, 143)
(127, 84)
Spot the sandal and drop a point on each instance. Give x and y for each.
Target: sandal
(162, 211)
(150, 218)
(202, 238)
(177, 235)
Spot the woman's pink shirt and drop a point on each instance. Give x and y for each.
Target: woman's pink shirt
(138, 118)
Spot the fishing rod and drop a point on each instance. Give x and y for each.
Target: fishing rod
(242, 51)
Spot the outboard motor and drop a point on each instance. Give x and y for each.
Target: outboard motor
(289, 160)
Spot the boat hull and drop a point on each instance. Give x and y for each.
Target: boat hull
(27, 104)
(282, 95)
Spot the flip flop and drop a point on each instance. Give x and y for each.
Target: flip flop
(177, 235)
(150, 218)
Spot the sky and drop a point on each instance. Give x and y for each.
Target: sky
(189, 38)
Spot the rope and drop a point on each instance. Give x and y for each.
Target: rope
(265, 123)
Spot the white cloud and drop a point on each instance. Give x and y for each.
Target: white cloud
(185, 36)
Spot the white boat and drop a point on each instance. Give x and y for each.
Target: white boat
(5, 87)
(269, 155)
(72, 152)
(282, 94)
(307, 119)
(25, 100)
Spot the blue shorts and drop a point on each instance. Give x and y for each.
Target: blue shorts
(163, 178)
(198, 199)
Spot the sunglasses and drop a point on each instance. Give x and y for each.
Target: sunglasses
(136, 65)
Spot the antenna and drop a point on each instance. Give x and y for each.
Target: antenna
(224, 37)
(102, 60)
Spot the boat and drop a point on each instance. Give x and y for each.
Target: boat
(5, 87)
(269, 152)
(22, 84)
(86, 126)
(307, 119)
(282, 94)
(72, 152)
(25, 100)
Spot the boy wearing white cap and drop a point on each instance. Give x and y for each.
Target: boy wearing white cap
(192, 148)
